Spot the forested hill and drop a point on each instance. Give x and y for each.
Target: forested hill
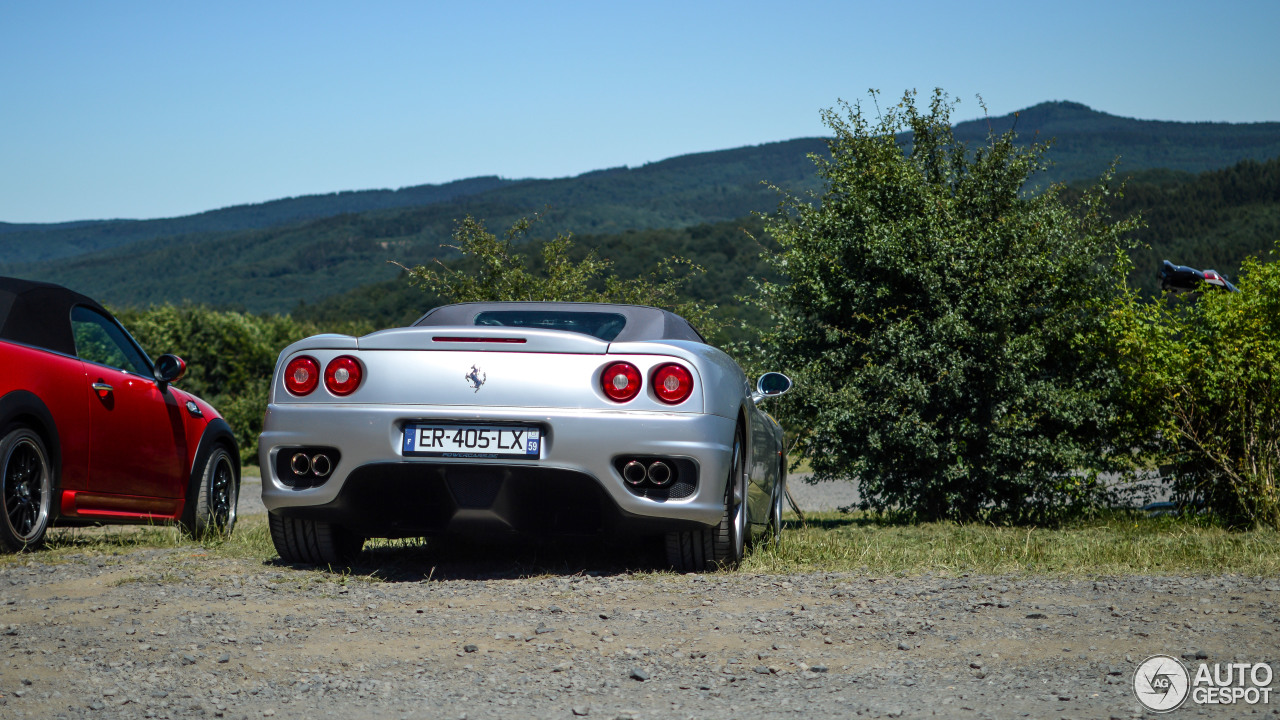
(254, 257)
(730, 252)
(1211, 220)
(1086, 141)
(24, 243)
(274, 268)
(675, 192)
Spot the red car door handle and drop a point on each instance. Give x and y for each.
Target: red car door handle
(102, 388)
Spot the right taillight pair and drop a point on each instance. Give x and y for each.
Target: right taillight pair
(672, 382)
(342, 376)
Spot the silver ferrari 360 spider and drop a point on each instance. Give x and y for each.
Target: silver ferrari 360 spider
(528, 418)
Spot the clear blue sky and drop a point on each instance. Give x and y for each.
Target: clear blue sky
(155, 109)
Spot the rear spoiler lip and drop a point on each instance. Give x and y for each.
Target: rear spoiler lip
(483, 339)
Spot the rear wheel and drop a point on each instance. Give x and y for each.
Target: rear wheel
(26, 489)
(313, 542)
(721, 546)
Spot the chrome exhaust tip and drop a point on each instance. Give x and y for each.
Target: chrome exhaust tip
(659, 473)
(320, 465)
(633, 472)
(300, 464)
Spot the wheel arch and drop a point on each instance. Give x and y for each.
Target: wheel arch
(216, 433)
(25, 407)
(748, 455)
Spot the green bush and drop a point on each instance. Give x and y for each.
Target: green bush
(1202, 390)
(945, 328)
(492, 269)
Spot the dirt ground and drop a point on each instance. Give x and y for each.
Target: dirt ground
(435, 633)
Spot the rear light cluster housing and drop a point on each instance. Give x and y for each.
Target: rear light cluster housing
(341, 376)
(622, 382)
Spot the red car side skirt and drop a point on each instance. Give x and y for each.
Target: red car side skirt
(119, 508)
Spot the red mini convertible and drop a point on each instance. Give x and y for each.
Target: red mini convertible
(91, 431)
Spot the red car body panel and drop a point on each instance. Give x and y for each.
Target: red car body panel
(122, 455)
(138, 443)
(58, 381)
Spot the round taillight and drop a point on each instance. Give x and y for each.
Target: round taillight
(672, 383)
(342, 375)
(301, 375)
(620, 381)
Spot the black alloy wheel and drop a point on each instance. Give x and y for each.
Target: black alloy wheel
(26, 489)
(222, 511)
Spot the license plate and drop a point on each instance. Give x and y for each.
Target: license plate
(472, 441)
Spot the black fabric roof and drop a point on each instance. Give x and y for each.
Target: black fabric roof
(39, 313)
(643, 323)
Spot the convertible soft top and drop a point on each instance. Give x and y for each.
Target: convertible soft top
(639, 322)
(39, 314)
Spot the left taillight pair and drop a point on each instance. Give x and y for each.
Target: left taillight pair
(672, 382)
(341, 376)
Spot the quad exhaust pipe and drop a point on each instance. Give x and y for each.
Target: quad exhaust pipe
(658, 473)
(634, 472)
(320, 465)
(302, 464)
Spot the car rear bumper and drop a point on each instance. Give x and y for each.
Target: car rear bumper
(575, 485)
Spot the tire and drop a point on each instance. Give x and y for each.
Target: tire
(313, 542)
(722, 546)
(212, 512)
(26, 490)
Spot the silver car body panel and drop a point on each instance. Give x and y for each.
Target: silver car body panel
(546, 378)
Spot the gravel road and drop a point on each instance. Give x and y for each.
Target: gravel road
(172, 633)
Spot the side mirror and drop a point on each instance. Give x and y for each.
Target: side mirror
(772, 384)
(170, 369)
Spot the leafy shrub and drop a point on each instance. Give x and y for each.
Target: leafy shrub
(1202, 390)
(491, 269)
(943, 327)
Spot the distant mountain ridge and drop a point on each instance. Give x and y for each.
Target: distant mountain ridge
(1086, 141)
(1213, 219)
(33, 242)
(274, 268)
(263, 258)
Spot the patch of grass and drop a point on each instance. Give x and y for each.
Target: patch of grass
(1117, 543)
(797, 464)
(250, 540)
